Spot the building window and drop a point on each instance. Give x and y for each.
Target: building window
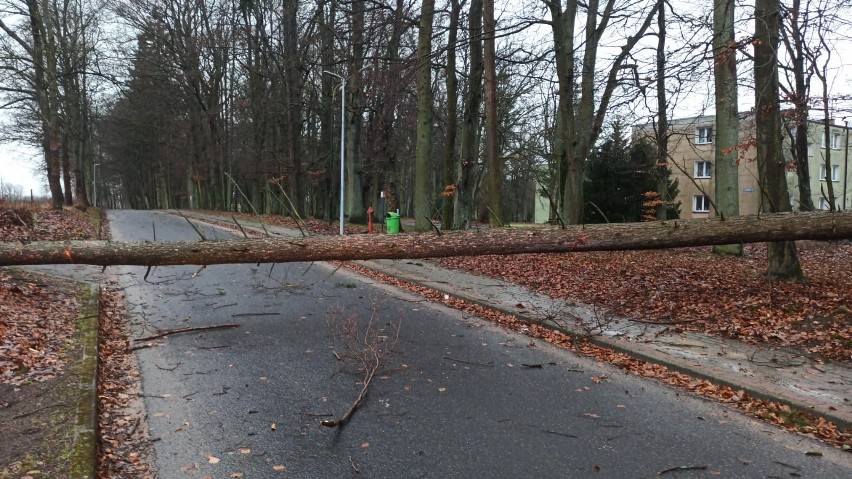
(834, 138)
(700, 204)
(823, 204)
(835, 172)
(703, 135)
(810, 149)
(702, 169)
(835, 141)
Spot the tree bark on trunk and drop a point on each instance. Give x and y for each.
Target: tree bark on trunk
(469, 148)
(452, 117)
(607, 237)
(727, 118)
(492, 146)
(661, 132)
(782, 258)
(423, 155)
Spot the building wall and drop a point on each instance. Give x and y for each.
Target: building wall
(687, 147)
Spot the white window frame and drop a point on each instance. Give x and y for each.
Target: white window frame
(703, 169)
(810, 149)
(835, 140)
(835, 173)
(704, 135)
(700, 201)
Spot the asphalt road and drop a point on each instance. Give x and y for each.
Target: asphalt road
(454, 399)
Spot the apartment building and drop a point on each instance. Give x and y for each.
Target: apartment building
(691, 159)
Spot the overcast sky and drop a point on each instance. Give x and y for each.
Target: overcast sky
(19, 165)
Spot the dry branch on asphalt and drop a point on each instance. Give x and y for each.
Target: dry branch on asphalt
(369, 349)
(169, 332)
(609, 237)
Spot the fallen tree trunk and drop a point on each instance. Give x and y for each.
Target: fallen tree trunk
(609, 237)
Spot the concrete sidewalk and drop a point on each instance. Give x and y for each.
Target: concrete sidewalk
(766, 372)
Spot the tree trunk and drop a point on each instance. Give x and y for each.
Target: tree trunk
(47, 95)
(469, 148)
(492, 153)
(799, 96)
(423, 155)
(662, 133)
(355, 207)
(727, 118)
(452, 117)
(783, 260)
(607, 237)
(580, 119)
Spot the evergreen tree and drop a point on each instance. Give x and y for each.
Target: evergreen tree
(618, 176)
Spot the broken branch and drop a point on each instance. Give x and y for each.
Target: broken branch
(169, 332)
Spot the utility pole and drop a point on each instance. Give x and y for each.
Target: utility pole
(342, 142)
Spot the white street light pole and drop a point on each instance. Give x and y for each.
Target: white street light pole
(343, 136)
(95, 184)
(342, 142)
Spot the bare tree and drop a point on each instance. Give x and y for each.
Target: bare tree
(492, 149)
(469, 148)
(727, 202)
(782, 258)
(584, 97)
(423, 161)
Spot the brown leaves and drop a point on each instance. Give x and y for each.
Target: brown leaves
(124, 446)
(700, 291)
(47, 225)
(36, 322)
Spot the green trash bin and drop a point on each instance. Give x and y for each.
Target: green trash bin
(393, 223)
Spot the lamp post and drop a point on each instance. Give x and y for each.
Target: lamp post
(343, 136)
(342, 141)
(95, 184)
(845, 162)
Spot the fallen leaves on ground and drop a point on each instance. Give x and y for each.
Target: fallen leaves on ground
(40, 224)
(125, 449)
(36, 322)
(693, 289)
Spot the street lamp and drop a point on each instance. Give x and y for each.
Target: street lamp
(845, 162)
(343, 136)
(95, 184)
(342, 141)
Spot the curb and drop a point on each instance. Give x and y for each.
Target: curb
(839, 421)
(83, 450)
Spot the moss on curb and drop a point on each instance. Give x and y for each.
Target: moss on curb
(83, 438)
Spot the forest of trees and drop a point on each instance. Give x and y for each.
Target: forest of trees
(456, 110)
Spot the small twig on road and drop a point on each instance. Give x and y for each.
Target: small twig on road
(225, 306)
(137, 347)
(199, 271)
(682, 468)
(370, 349)
(194, 226)
(368, 378)
(354, 468)
(489, 364)
(557, 433)
(168, 332)
(241, 315)
(240, 226)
